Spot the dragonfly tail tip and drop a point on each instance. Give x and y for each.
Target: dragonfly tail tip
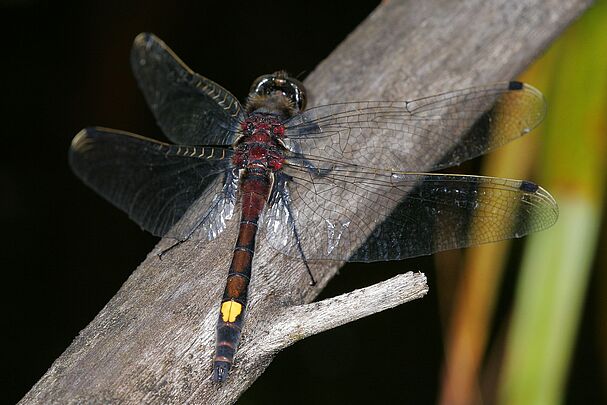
(220, 371)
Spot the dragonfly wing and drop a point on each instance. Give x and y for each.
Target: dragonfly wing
(189, 108)
(341, 215)
(168, 190)
(418, 135)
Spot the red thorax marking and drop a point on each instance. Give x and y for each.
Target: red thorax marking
(259, 147)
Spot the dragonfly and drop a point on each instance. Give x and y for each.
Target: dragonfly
(314, 184)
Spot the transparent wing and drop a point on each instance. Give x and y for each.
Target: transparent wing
(339, 215)
(419, 135)
(189, 108)
(168, 190)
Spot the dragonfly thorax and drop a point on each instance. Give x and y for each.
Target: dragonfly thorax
(260, 145)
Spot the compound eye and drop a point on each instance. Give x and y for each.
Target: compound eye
(291, 88)
(296, 92)
(263, 85)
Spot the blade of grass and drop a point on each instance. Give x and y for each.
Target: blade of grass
(557, 263)
(478, 288)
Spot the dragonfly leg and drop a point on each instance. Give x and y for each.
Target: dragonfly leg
(312, 280)
(165, 251)
(299, 247)
(283, 179)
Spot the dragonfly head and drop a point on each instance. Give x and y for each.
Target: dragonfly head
(282, 84)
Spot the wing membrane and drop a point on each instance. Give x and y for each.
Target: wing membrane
(339, 211)
(189, 108)
(420, 135)
(156, 183)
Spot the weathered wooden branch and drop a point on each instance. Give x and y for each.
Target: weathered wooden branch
(153, 342)
(299, 322)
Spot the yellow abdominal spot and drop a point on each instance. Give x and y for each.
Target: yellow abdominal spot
(230, 310)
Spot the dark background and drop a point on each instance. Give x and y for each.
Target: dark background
(65, 251)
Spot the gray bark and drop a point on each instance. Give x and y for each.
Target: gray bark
(154, 341)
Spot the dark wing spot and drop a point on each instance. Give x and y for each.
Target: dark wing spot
(528, 186)
(514, 85)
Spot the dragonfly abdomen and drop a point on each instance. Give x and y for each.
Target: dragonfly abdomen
(255, 186)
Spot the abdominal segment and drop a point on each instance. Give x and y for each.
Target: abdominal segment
(256, 188)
